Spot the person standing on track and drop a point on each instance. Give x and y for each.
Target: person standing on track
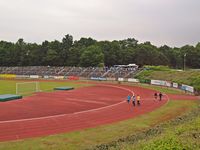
(138, 100)
(133, 100)
(128, 98)
(155, 95)
(160, 96)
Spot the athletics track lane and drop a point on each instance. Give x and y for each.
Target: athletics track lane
(80, 120)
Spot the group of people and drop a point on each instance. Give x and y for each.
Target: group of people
(134, 99)
(156, 95)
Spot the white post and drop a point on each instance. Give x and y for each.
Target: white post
(16, 88)
(27, 87)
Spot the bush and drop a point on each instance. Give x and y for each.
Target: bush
(195, 81)
(166, 143)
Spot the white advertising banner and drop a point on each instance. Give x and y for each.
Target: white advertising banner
(22, 76)
(46, 77)
(58, 77)
(111, 79)
(161, 83)
(120, 79)
(175, 85)
(157, 82)
(167, 83)
(34, 76)
(133, 80)
(187, 88)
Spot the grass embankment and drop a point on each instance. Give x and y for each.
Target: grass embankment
(104, 134)
(183, 132)
(189, 77)
(161, 89)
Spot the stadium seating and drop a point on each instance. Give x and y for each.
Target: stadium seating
(105, 72)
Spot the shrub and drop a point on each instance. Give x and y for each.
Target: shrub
(166, 143)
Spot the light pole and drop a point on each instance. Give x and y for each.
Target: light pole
(184, 61)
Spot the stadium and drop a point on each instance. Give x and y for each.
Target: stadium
(42, 101)
(99, 75)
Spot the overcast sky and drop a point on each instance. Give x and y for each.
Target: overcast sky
(171, 22)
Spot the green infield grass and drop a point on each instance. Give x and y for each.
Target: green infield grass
(9, 86)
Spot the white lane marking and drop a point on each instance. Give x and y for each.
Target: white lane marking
(31, 119)
(87, 101)
(61, 115)
(96, 109)
(168, 99)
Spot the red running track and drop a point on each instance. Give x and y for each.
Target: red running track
(64, 111)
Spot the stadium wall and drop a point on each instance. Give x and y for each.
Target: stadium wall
(7, 76)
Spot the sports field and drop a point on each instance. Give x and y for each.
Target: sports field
(100, 106)
(9, 86)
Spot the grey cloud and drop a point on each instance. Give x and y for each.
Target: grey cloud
(172, 22)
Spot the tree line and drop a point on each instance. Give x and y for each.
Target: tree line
(90, 52)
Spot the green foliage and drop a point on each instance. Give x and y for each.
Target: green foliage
(51, 57)
(92, 56)
(9, 86)
(68, 52)
(148, 54)
(180, 133)
(195, 81)
(189, 77)
(101, 65)
(144, 76)
(168, 142)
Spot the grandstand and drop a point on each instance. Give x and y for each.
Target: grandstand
(125, 71)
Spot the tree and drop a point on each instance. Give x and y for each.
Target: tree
(110, 52)
(74, 56)
(128, 43)
(84, 42)
(20, 52)
(88, 51)
(51, 57)
(148, 54)
(67, 43)
(191, 57)
(92, 56)
(7, 56)
(77, 49)
(170, 54)
(35, 55)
